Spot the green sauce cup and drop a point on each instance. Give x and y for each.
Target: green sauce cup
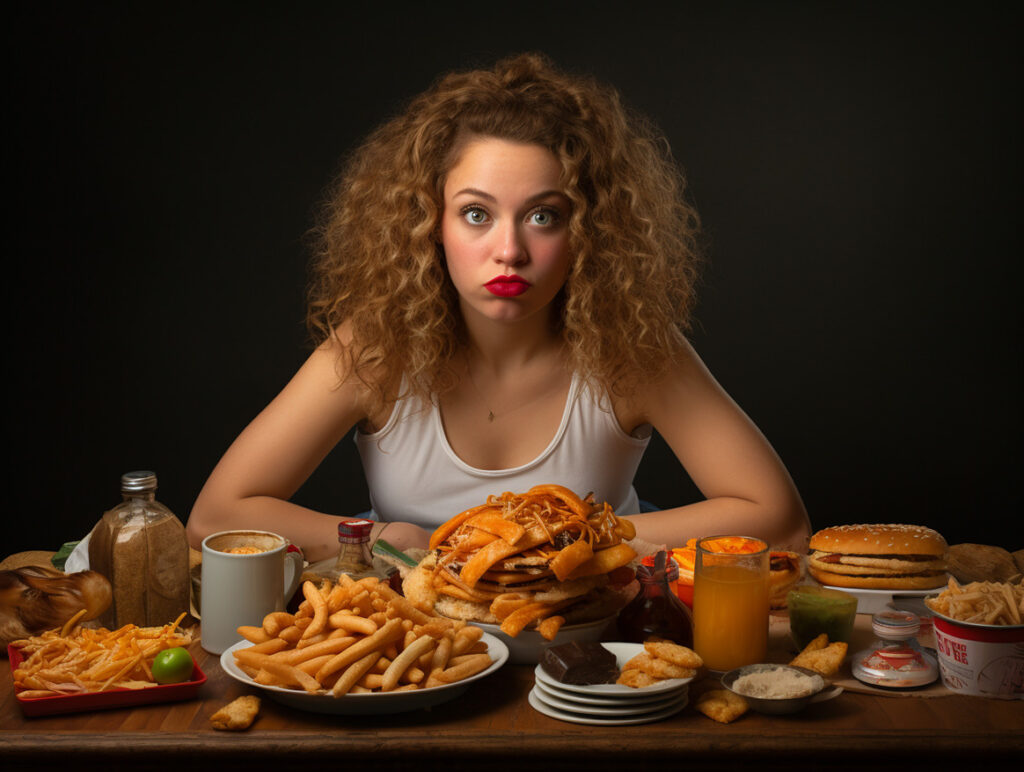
(816, 610)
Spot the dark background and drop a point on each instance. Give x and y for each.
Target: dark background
(857, 168)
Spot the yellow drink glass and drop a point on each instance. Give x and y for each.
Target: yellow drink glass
(730, 601)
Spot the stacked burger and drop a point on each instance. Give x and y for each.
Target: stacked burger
(904, 557)
(540, 559)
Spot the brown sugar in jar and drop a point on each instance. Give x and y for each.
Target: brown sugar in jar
(140, 546)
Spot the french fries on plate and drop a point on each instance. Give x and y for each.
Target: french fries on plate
(353, 637)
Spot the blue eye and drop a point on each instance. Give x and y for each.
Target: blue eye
(544, 217)
(474, 215)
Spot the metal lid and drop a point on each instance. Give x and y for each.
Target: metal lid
(354, 531)
(895, 625)
(134, 482)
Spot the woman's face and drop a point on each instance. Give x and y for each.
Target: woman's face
(504, 229)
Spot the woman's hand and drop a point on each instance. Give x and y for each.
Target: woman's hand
(402, 536)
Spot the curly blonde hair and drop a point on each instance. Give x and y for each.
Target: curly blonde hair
(633, 239)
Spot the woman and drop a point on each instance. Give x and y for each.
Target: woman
(504, 275)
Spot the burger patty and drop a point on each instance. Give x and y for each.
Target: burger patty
(879, 568)
(841, 557)
(866, 572)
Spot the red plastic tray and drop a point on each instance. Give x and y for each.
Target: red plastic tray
(114, 698)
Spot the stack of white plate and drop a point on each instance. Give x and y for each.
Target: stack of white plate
(609, 704)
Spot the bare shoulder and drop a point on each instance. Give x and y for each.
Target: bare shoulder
(684, 384)
(331, 364)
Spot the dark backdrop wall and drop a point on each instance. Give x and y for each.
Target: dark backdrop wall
(857, 168)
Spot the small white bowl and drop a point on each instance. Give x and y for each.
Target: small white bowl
(527, 647)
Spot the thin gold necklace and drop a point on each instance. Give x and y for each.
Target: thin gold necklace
(490, 413)
(472, 380)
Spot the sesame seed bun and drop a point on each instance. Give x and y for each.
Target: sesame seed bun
(888, 539)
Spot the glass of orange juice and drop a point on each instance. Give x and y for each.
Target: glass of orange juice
(730, 601)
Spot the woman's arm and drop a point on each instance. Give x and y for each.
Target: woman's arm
(276, 454)
(746, 487)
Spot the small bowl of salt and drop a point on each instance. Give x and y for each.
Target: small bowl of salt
(778, 689)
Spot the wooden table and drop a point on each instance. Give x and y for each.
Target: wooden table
(492, 727)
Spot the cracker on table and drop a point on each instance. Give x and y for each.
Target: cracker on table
(818, 643)
(825, 662)
(721, 705)
(237, 714)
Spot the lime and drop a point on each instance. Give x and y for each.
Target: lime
(172, 666)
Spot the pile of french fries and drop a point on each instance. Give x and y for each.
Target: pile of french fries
(356, 637)
(987, 603)
(76, 659)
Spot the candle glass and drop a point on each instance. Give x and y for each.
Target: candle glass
(730, 602)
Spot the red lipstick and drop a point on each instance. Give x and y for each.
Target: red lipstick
(507, 286)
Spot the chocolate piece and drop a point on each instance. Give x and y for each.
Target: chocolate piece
(580, 663)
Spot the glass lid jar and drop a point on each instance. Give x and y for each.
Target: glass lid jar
(895, 660)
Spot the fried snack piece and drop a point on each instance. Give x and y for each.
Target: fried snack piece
(674, 653)
(660, 660)
(721, 705)
(818, 643)
(824, 661)
(658, 668)
(636, 679)
(237, 714)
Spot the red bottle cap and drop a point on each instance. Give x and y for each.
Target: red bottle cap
(354, 531)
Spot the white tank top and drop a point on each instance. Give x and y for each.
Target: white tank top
(414, 475)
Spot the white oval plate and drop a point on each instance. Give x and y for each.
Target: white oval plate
(366, 704)
(623, 653)
(538, 704)
(617, 708)
(873, 601)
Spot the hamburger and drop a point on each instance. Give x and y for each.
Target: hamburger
(539, 559)
(889, 557)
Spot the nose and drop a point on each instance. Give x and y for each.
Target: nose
(511, 248)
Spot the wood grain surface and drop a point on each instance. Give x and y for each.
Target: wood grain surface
(492, 727)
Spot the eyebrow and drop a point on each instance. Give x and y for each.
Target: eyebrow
(484, 194)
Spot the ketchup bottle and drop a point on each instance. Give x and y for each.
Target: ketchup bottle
(656, 611)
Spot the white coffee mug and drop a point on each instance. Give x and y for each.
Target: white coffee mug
(245, 576)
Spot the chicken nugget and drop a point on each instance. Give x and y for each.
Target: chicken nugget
(674, 653)
(721, 705)
(635, 679)
(824, 661)
(237, 714)
(658, 668)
